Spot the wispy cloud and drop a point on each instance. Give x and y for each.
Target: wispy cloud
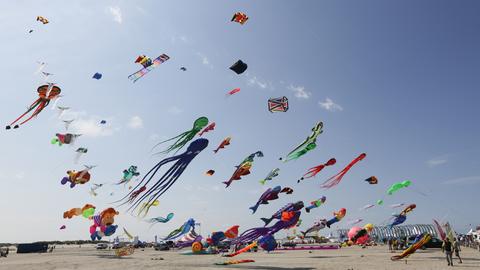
(329, 105)
(116, 13)
(90, 127)
(204, 60)
(20, 175)
(255, 81)
(436, 161)
(299, 92)
(174, 110)
(464, 180)
(183, 39)
(135, 122)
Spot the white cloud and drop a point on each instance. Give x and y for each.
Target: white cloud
(300, 91)
(116, 13)
(436, 161)
(135, 122)
(205, 60)
(174, 110)
(257, 82)
(20, 175)
(90, 127)
(463, 180)
(329, 105)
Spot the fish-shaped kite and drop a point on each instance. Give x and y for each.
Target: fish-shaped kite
(207, 129)
(269, 195)
(243, 168)
(273, 173)
(222, 145)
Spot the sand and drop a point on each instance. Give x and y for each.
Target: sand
(346, 258)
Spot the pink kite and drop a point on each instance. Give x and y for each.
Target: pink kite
(234, 91)
(335, 180)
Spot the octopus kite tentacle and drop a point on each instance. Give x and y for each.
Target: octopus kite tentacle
(185, 137)
(335, 180)
(313, 171)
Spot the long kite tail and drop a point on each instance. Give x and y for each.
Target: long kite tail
(335, 180)
(247, 248)
(30, 108)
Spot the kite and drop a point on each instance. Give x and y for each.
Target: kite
(397, 205)
(146, 207)
(313, 171)
(441, 232)
(188, 226)
(127, 234)
(128, 174)
(269, 195)
(207, 129)
(368, 206)
(337, 217)
(278, 104)
(67, 123)
(41, 66)
(307, 145)
(360, 235)
(419, 243)
(397, 220)
(315, 204)
(210, 172)
(95, 187)
(372, 180)
(61, 110)
(104, 221)
(63, 227)
(148, 65)
(79, 152)
(46, 93)
(335, 180)
(239, 67)
(408, 209)
(240, 18)
(232, 92)
(317, 226)
(86, 211)
(287, 190)
(169, 178)
(222, 145)
(380, 202)
(235, 262)
(273, 173)
(103, 122)
(355, 221)
(397, 186)
(185, 137)
(67, 138)
(287, 208)
(156, 220)
(243, 168)
(240, 251)
(183, 69)
(124, 251)
(97, 76)
(42, 19)
(80, 177)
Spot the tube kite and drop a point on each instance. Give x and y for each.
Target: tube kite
(397, 186)
(188, 226)
(337, 216)
(307, 145)
(335, 180)
(317, 226)
(315, 204)
(414, 247)
(156, 220)
(148, 65)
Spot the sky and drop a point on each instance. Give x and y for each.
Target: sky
(397, 80)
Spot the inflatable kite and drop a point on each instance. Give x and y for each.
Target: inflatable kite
(97, 76)
(86, 211)
(287, 208)
(235, 262)
(46, 93)
(337, 217)
(210, 172)
(168, 179)
(124, 251)
(44, 20)
(67, 123)
(79, 152)
(148, 65)
(419, 243)
(243, 168)
(287, 190)
(313, 171)
(239, 67)
(185, 137)
(222, 145)
(408, 209)
(441, 232)
(74, 177)
(397, 186)
(103, 224)
(232, 92)
(272, 174)
(62, 139)
(335, 180)
(372, 180)
(128, 174)
(317, 226)
(156, 220)
(397, 220)
(278, 104)
(143, 211)
(63, 227)
(188, 226)
(396, 205)
(240, 18)
(307, 145)
(315, 204)
(269, 195)
(359, 235)
(207, 129)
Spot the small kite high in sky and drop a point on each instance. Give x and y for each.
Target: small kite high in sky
(278, 104)
(233, 92)
(97, 76)
(42, 19)
(46, 93)
(148, 65)
(372, 180)
(240, 18)
(239, 67)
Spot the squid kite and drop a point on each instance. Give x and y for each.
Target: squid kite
(243, 168)
(185, 137)
(148, 65)
(335, 180)
(46, 93)
(313, 171)
(168, 179)
(307, 145)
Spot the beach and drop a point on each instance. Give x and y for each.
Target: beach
(87, 257)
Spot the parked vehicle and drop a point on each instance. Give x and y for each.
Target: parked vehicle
(162, 246)
(101, 246)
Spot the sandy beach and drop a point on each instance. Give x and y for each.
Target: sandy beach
(346, 258)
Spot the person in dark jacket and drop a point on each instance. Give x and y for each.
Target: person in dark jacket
(447, 247)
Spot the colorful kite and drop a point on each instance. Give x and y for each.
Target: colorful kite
(128, 174)
(315, 204)
(317, 226)
(207, 129)
(313, 171)
(67, 138)
(287, 190)
(397, 186)
(335, 180)
(278, 104)
(148, 65)
(42, 19)
(86, 211)
(104, 222)
(222, 145)
(307, 145)
(46, 93)
(156, 220)
(372, 180)
(419, 242)
(77, 177)
(210, 172)
(243, 168)
(269, 195)
(287, 208)
(143, 211)
(272, 174)
(239, 67)
(337, 216)
(232, 92)
(185, 137)
(240, 18)
(188, 226)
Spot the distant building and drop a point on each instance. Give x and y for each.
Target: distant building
(381, 232)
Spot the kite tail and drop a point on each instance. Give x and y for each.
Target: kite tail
(267, 220)
(34, 104)
(254, 208)
(40, 107)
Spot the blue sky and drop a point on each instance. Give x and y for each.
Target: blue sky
(397, 80)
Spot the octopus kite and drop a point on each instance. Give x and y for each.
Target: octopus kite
(143, 211)
(243, 168)
(167, 179)
(313, 171)
(335, 180)
(46, 93)
(307, 145)
(156, 220)
(185, 137)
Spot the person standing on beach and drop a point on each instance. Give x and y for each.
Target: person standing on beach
(456, 248)
(447, 248)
